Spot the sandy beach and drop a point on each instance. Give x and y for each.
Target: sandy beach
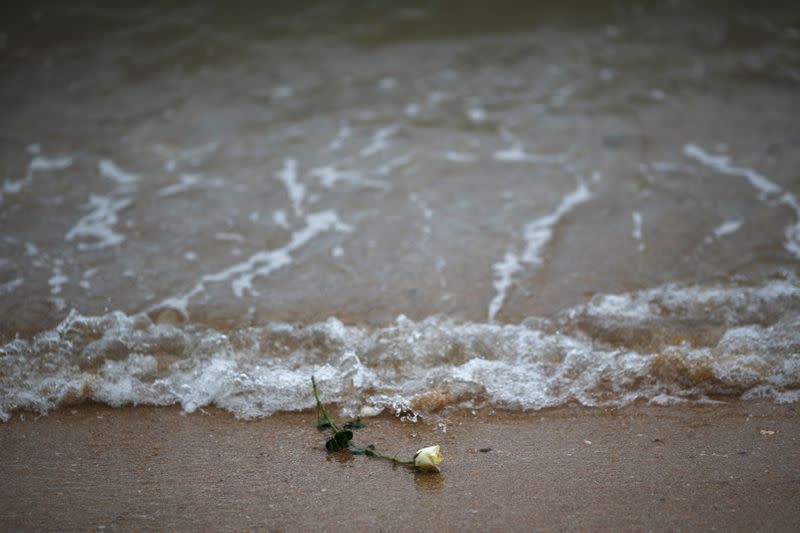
(548, 210)
(725, 467)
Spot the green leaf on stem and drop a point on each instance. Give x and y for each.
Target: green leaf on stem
(332, 445)
(356, 423)
(339, 441)
(368, 450)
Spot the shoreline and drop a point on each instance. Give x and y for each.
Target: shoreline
(724, 466)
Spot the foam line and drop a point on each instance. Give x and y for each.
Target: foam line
(460, 157)
(504, 272)
(537, 234)
(280, 219)
(342, 135)
(761, 183)
(108, 169)
(258, 370)
(393, 164)
(57, 278)
(722, 165)
(46, 164)
(379, 141)
(516, 153)
(98, 225)
(636, 233)
(10, 286)
(187, 182)
(329, 176)
(260, 264)
(727, 227)
(39, 163)
(194, 155)
(295, 189)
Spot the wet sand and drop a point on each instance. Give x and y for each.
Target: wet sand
(677, 468)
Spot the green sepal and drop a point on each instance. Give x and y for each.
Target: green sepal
(343, 438)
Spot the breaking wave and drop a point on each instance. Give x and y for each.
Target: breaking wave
(669, 344)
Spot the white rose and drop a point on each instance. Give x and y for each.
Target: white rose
(428, 458)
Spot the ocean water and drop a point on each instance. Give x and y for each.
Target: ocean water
(427, 206)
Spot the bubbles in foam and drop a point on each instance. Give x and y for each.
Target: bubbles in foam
(342, 135)
(636, 233)
(110, 170)
(387, 84)
(767, 189)
(476, 114)
(727, 227)
(715, 303)
(282, 92)
(95, 230)
(38, 163)
(193, 156)
(379, 141)
(722, 165)
(412, 368)
(537, 234)
(280, 218)
(329, 176)
(460, 157)
(260, 264)
(295, 189)
(412, 110)
(10, 286)
(504, 276)
(187, 182)
(57, 279)
(390, 166)
(517, 153)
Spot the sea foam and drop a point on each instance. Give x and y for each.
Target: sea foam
(613, 350)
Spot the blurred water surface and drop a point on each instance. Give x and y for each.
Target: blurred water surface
(593, 201)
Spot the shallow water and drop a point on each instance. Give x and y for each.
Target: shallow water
(425, 206)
